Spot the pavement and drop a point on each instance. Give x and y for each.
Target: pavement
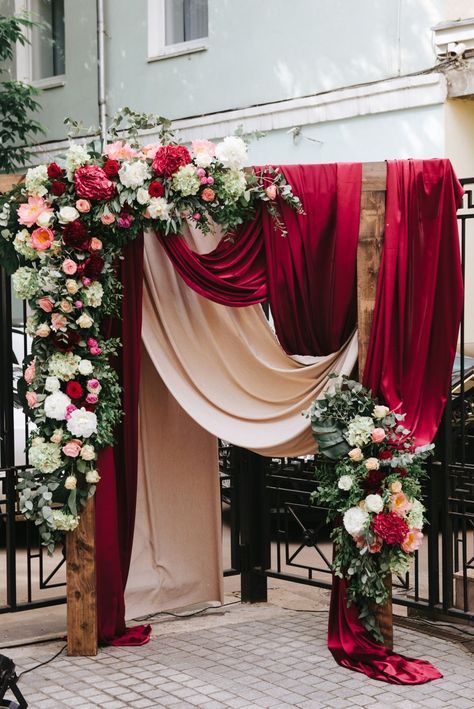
(263, 655)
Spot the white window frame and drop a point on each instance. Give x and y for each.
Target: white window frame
(24, 57)
(157, 47)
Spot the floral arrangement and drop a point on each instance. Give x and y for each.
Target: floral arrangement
(370, 478)
(61, 233)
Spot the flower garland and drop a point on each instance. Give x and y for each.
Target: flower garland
(62, 231)
(371, 483)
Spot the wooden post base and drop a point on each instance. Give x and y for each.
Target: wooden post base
(384, 616)
(81, 586)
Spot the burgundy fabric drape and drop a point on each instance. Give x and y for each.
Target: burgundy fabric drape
(411, 353)
(116, 493)
(308, 275)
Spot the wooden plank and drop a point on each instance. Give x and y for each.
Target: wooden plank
(8, 181)
(81, 586)
(372, 224)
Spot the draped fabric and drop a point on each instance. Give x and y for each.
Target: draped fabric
(309, 271)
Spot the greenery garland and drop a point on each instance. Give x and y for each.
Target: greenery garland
(370, 478)
(62, 231)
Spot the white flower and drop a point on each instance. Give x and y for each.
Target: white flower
(76, 156)
(159, 208)
(87, 452)
(42, 330)
(92, 477)
(374, 503)
(45, 219)
(372, 464)
(415, 515)
(67, 215)
(82, 423)
(52, 384)
(35, 180)
(64, 522)
(133, 173)
(380, 412)
(22, 244)
(359, 430)
(232, 152)
(85, 367)
(25, 283)
(48, 279)
(71, 482)
(63, 365)
(186, 181)
(345, 482)
(355, 520)
(93, 294)
(55, 405)
(234, 184)
(85, 321)
(57, 436)
(356, 455)
(45, 457)
(142, 196)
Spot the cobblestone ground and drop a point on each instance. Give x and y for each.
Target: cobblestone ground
(244, 657)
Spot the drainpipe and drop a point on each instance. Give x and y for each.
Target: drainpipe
(101, 72)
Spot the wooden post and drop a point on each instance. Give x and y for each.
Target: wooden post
(372, 224)
(81, 585)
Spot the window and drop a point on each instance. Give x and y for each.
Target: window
(176, 27)
(42, 61)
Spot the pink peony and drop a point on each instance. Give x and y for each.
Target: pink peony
(400, 504)
(412, 541)
(203, 147)
(29, 213)
(378, 434)
(45, 303)
(149, 151)
(30, 372)
(42, 238)
(72, 448)
(69, 267)
(83, 206)
(120, 150)
(32, 399)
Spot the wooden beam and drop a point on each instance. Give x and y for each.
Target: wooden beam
(81, 586)
(8, 181)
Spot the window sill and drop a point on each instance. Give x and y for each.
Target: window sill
(177, 50)
(51, 82)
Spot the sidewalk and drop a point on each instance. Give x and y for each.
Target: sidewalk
(238, 656)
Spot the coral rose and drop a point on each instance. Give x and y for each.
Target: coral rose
(46, 304)
(107, 218)
(91, 182)
(58, 321)
(96, 244)
(169, 158)
(208, 194)
(120, 150)
(29, 373)
(32, 399)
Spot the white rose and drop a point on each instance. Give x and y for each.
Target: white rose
(44, 219)
(84, 321)
(133, 174)
(380, 412)
(85, 367)
(82, 423)
(374, 503)
(92, 477)
(87, 452)
(372, 464)
(142, 196)
(52, 384)
(55, 405)
(232, 152)
(71, 482)
(158, 208)
(345, 482)
(356, 455)
(355, 520)
(67, 214)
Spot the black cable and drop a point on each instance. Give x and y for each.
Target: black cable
(184, 615)
(41, 664)
(306, 610)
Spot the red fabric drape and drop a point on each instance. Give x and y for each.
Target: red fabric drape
(308, 276)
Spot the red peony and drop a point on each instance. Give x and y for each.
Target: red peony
(401, 472)
(156, 189)
(74, 390)
(385, 455)
(54, 171)
(76, 236)
(91, 267)
(91, 182)
(390, 527)
(111, 168)
(58, 188)
(65, 341)
(169, 158)
(373, 481)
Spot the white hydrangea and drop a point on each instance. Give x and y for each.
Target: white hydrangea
(159, 208)
(82, 423)
(45, 457)
(415, 515)
(76, 156)
(232, 152)
(64, 522)
(345, 482)
(25, 283)
(22, 244)
(234, 184)
(374, 503)
(355, 520)
(186, 181)
(55, 405)
(133, 173)
(93, 294)
(52, 384)
(63, 365)
(35, 180)
(48, 279)
(85, 367)
(359, 430)
(5, 215)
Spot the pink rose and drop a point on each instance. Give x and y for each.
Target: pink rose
(95, 244)
(210, 180)
(30, 372)
(91, 182)
(83, 206)
(94, 385)
(29, 213)
(196, 216)
(78, 304)
(72, 448)
(412, 541)
(125, 220)
(86, 282)
(95, 350)
(69, 267)
(42, 238)
(91, 342)
(120, 150)
(92, 398)
(200, 172)
(271, 192)
(378, 434)
(46, 304)
(107, 218)
(69, 410)
(32, 399)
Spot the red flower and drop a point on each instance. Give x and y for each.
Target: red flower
(373, 481)
(390, 527)
(156, 189)
(54, 171)
(169, 158)
(65, 341)
(58, 188)
(401, 472)
(91, 182)
(91, 267)
(111, 168)
(385, 455)
(74, 390)
(76, 236)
